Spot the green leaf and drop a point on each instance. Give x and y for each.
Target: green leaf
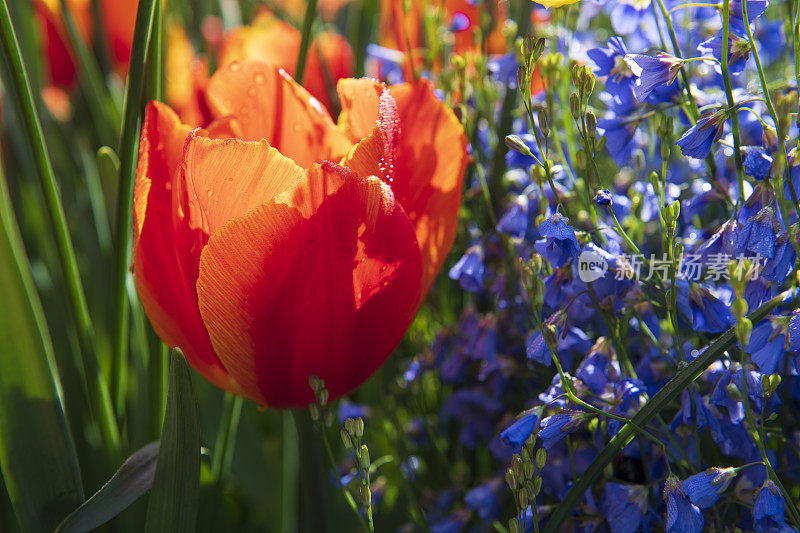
(650, 410)
(134, 478)
(174, 499)
(37, 455)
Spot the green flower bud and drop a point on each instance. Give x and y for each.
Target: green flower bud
(538, 50)
(544, 122)
(346, 440)
(511, 481)
(363, 457)
(591, 124)
(514, 142)
(574, 106)
(739, 308)
(541, 458)
(743, 330)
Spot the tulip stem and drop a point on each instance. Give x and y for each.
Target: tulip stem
(20, 86)
(312, 503)
(305, 43)
(128, 147)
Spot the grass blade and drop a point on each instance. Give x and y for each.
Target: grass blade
(134, 478)
(80, 312)
(128, 148)
(174, 499)
(37, 455)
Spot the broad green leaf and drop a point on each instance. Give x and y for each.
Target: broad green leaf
(174, 499)
(37, 455)
(134, 478)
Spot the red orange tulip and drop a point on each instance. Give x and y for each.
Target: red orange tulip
(275, 244)
(268, 39)
(118, 20)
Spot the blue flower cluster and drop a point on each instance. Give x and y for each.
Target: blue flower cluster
(607, 255)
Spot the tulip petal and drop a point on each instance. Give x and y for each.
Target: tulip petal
(164, 276)
(359, 99)
(271, 40)
(187, 77)
(227, 178)
(324, 279)
(429, 171)
(269, 105)
(429, 161)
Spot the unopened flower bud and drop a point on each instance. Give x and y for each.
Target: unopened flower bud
(514, 142)
(544, 122)
(591, 124)
(541, 458)
(363, 457)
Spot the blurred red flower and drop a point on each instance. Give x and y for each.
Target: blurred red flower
(275, 244)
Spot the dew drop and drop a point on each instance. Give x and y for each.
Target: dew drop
(235, 66)
(316, 105)
(251, 91)
(259, 78)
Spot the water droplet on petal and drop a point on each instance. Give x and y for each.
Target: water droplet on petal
(259, 78)
(235, 66)
(316, 105)
(251, 92)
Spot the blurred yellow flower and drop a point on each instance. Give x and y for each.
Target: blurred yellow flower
(555, 3)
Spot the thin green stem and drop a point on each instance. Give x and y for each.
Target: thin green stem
(771, 107)
(226, 436)
(156, 54)
(128, 147)
(20, 86)
(305, 43)
(347, 496)
(726, 77)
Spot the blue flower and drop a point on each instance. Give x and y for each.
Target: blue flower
(682, 515)
(351, 410)
(705, 488)
(618, 131)
(770, 34)
(768, 343)
(780, 265)
(627, 15)
(519, 432)
(623, 506)
(652, 72)
(485, 499)
(610, 63)
(388, 62)
(469, 270)
(770, 507)
(554, 428)
(559, 245)
(758, 236)
(603, 197)
(719, 245)
(504, 69)
(757, 162)
(696, 142)
(755, 8)
(707, 313)
(738, 53)
(596, 371)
